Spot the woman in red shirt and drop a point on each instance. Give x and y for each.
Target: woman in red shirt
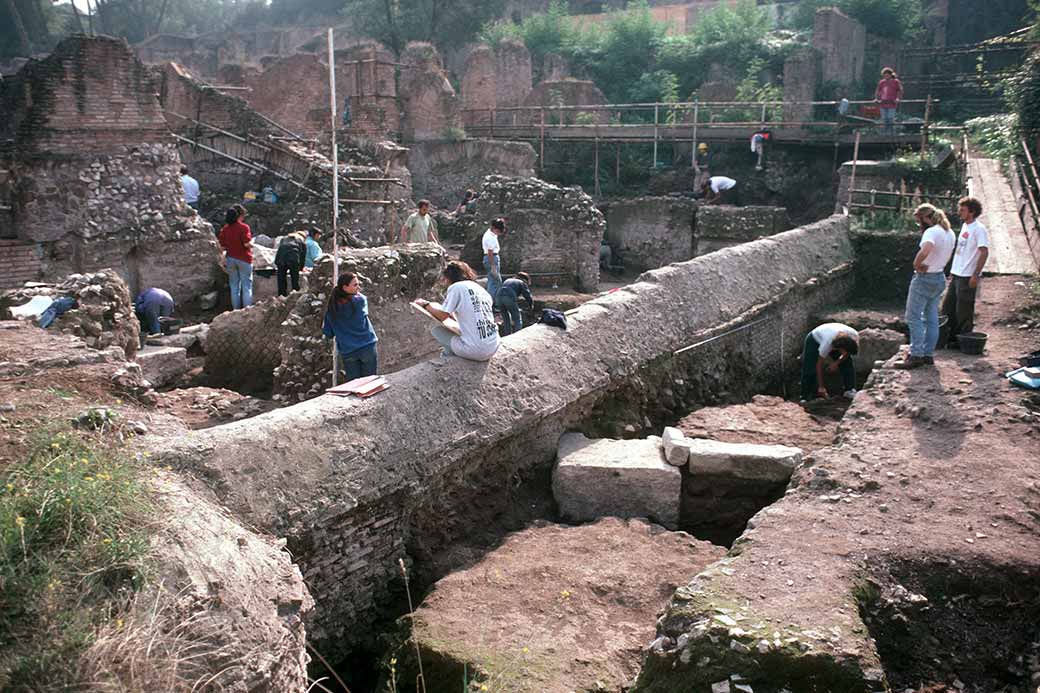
(237, 242)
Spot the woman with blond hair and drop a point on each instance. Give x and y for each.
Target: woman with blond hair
(927, 286)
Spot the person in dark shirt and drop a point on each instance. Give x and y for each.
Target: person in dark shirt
(346, 319)
(507, 299)
(289, 260)
(151, 305)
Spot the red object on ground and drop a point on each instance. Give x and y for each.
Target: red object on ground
(870, 111)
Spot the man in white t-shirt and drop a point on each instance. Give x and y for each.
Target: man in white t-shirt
(191, 189)
(926, 288)
(492, 259)
(968, 261)
(833, 345)
(719, 189)
(470, 305)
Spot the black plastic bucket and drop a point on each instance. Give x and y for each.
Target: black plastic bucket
(973, 343)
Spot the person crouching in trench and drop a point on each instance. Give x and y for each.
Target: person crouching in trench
(831, 345)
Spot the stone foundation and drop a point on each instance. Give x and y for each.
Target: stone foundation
(442, 171)
(356, 485)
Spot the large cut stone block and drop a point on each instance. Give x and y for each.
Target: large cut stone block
(676, 446)
(160, 365)
(619, 478)
(743, 460)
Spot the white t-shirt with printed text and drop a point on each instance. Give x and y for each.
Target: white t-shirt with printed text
(943, 242)
(972, 237)
(825, 334)
(490, 242)
(471, 305)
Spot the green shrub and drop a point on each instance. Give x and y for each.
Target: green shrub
(71, 545)
(898, 19)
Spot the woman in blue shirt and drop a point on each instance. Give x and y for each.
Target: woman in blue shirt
(346, 318)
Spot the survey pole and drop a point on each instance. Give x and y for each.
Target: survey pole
(335, 191)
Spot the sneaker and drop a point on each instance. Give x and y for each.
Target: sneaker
(930, 360)
(911, 362)
(850, 394)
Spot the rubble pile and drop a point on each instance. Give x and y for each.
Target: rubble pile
(390, 279)
(549, 229)
(104, 313)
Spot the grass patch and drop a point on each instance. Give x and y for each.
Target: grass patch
(72, 550)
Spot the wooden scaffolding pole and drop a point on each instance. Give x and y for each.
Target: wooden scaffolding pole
(335, 192)
(852, 179)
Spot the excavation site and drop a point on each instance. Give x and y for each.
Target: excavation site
(527, 346)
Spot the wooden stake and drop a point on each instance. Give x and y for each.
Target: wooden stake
(855, 158)
(335, 192)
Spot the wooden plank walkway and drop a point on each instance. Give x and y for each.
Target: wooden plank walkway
(1008, 245)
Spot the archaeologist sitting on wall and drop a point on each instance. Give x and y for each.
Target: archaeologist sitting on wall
(289, 260)
(314, 250)
(468, 204)
(492, 257)
(346, 319)
(832, 344)
(420, 227)
(888, 94)
(926, 288)
(191, 189)
(237, 242)
(151, 305)
(508, 301)
(968, 260)
(719, 190)
(470, 305)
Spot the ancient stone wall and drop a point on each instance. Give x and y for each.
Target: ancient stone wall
(513, 79)
(185, 99)
(367, 74)
(20, 262)
(242, 345)
(842, 43)
(431, 109)
(442, 171)
(94, 172)
(391, 278)
(801, 75)
(551, 95)
(479, 96)
(356, 485)
(294, 92)
(550, 230)
(650, 232)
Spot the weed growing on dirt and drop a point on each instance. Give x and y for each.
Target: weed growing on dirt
(72, 545)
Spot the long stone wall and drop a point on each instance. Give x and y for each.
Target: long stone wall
(356, 485)
(442, 171)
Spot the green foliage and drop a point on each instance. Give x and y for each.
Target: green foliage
(996, 135)
(544, 33)
(898, 19)
(444, 23)
(70, 543)
(736, 30)
(1023, 94)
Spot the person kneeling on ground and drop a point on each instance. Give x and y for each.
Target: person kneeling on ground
(926, 288)
(470, 305)
(290, 259)
(508, 299)
(719, 190)
(835, 344)
(151, 305)
(346, 318)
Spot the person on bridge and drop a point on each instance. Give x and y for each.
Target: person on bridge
(966, 271)
(346, 319)
(926, 288)
(888, 95)
(470, 305)
(834, 345)
(719, 190)
(420, 227)
(191, 189)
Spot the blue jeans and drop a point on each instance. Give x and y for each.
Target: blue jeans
(359, 363)
(888, 119)
(922, 311)
(443, 336)
(240, 277)
(494, 277)
(511, 318)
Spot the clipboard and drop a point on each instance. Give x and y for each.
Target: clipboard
(450, 324)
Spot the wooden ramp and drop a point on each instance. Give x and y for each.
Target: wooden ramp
(1009, 251)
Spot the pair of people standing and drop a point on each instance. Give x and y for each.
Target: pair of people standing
(969, 251)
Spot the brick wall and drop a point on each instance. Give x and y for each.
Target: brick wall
(842, 42)
(293, 91)
(21, 263)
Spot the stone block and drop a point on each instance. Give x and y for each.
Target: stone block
(676, 447)
(183, 340)
(743, 460)
(877, 345)
(619, 478)
(162, 364)
(201, 333)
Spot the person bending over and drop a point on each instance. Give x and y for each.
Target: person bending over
(151, 305)
(719, 190)
(508, 299)
(832, 345)
(289, 261)
(470, 305)
(346, 319)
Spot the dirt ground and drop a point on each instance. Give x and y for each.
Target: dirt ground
(556, 608)
(764, 420)
(911, 547)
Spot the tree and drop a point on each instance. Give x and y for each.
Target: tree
(25, 27)
(444, 23)
(896, 19)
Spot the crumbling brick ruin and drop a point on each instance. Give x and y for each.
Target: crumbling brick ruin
(90, 194)
(552, 232)
(430, 108)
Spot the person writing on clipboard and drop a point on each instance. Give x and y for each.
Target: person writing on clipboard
(470, 305)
